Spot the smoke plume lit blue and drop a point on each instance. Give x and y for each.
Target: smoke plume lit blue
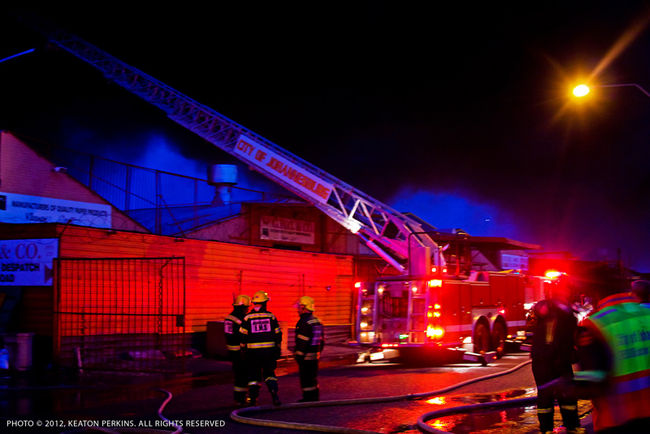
(451, 210)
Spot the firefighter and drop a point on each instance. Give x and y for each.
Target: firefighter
(552, 353)
(614, 359)
(310, 341)
(261, 339)
(231, 326)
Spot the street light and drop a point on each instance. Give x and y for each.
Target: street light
(582, 90)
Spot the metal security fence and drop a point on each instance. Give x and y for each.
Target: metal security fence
(124, 314)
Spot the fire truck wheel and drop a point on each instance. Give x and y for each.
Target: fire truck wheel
(499, 339)
(481, 338)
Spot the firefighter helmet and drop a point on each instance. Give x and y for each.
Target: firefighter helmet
(307, 301)
(260, 297)
(242, 300)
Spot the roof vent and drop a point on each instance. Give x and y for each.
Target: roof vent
(223, 177)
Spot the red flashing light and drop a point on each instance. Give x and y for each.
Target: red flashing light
(553, 274)
(435, 332)
(357, 285)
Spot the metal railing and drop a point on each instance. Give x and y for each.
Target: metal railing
(165, 203)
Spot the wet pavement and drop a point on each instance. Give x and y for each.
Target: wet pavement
(202, 399)
(402, 416)
(512, 420)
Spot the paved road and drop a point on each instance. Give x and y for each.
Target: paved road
(362, 381)
(203, 403)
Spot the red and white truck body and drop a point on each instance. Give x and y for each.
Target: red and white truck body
(399, 315)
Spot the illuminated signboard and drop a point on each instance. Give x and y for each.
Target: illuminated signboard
(27, 262)
(514, 262)
(269, 162)
(288, 230)
(19, 208)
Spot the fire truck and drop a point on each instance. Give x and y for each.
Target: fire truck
(451, 312)
(418, 305)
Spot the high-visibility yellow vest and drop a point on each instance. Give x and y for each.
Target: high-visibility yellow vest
(624, 325)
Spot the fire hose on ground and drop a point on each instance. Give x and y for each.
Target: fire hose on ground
(238, 415)
(495, 405)
(171, 424)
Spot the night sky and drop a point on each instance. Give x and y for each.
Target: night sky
(460, 114)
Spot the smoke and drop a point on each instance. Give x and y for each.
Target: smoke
(446, 210)
(585, 224)
(159, 152)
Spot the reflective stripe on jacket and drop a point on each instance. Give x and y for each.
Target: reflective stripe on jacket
(231, 326)
(260, 330)
(310, 337)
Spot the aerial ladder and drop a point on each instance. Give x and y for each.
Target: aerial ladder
(393, 236)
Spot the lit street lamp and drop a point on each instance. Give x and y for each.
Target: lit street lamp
(582, 90)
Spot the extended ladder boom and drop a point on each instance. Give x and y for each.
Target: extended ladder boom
(390, 234)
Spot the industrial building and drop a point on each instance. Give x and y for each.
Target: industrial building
(116, 266)
(48, 217)
(105, 276)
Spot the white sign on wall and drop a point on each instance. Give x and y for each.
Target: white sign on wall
(284, 229)
(279, 167)
(20, 208)
(514, 262)
(27, 262)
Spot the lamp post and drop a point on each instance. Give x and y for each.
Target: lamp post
(582, 90)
